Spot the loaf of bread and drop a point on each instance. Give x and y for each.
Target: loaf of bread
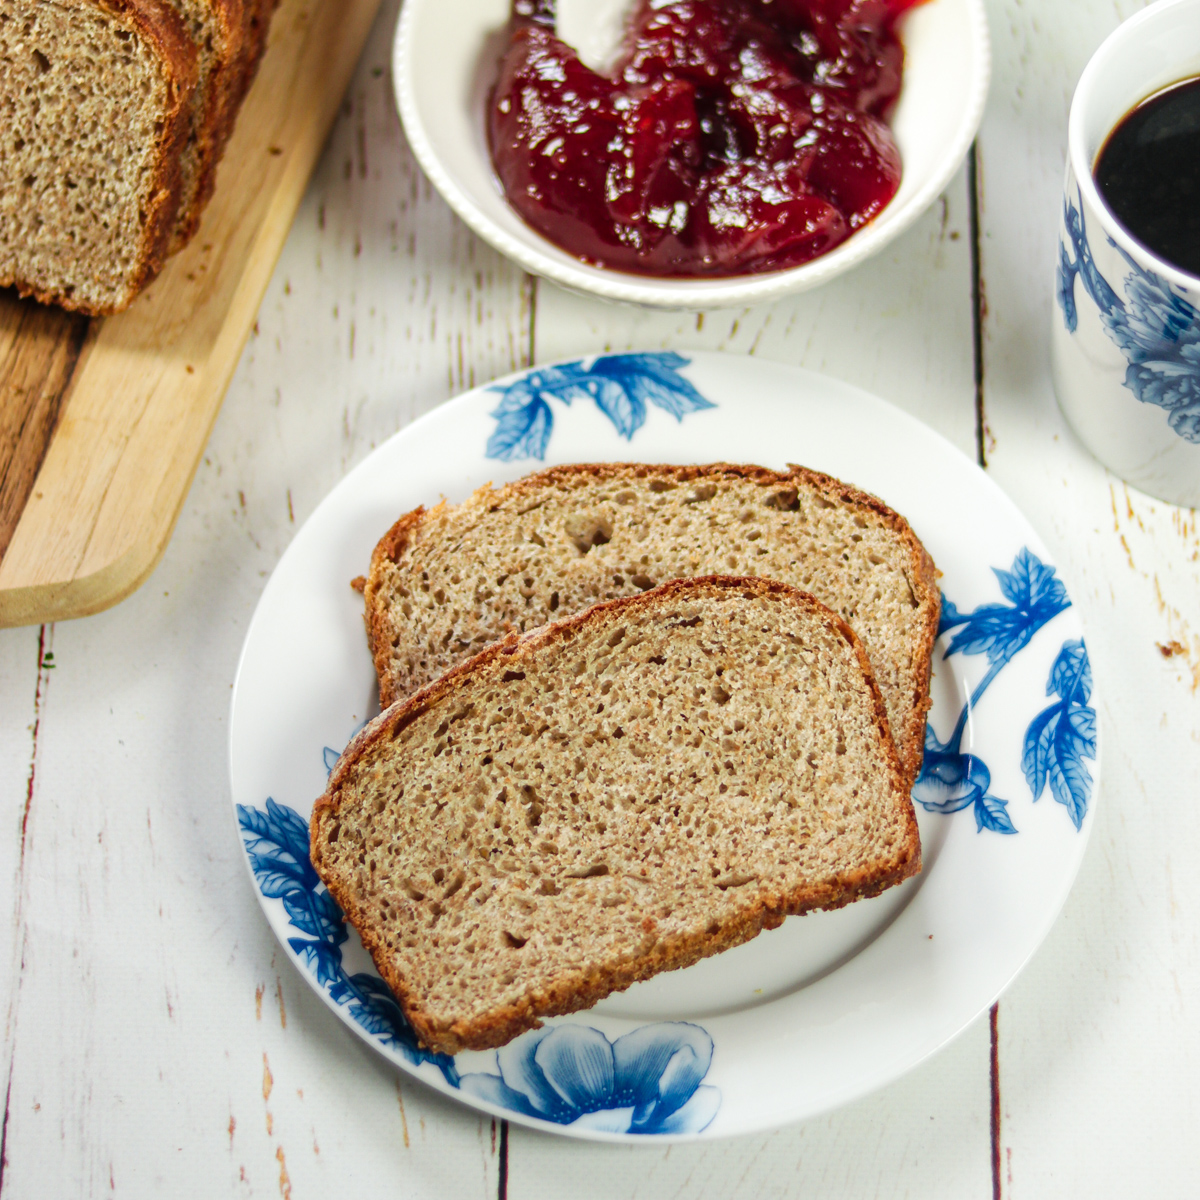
(217, 29)
(613, 795)
(445, 583)
(238, 38)
(113, 117)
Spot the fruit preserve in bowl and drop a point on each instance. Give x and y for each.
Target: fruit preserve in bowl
(731, 151)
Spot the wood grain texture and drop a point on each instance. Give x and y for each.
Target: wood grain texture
(146, 1050)
(39, 348)
(151, 1047)
(923, 1136)
(143, 402)
(1099, 1046)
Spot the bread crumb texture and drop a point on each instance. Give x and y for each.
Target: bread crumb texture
(91, 104)
(446, 583)
(615, 795)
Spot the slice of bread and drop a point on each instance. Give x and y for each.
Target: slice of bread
(617, 794)
(95, 108)
(249, 23)
(447, 582)
(218, 29)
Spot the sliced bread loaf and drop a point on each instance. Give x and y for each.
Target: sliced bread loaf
(445, 583)
(248, 23)
(617, 794)
(218, 29)
(95, 107)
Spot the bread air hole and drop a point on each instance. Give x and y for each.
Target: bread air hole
(592, 872)
(735, 880)
(587, 530)
(512, 941)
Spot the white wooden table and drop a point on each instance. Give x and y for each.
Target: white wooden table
(158, 1043)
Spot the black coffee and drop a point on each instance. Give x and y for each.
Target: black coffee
(1149, 173)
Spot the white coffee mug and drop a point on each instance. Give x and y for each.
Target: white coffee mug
(1126, 340)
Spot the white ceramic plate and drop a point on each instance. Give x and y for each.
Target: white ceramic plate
(829, 1006)
(444, 65)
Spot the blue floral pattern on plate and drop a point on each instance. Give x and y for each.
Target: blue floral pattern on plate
(620, 385)
(1057, 740)
(1157, 330)
(647, 1081)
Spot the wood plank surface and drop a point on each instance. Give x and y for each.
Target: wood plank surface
(157, 1042)
(39, 349)
(1099, 1039)
(142, 401)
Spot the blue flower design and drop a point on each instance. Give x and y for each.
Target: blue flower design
(950, 781)
(647, 1081)
(1057, 740)
(1157, 331)
(621, 385)
(277, 845)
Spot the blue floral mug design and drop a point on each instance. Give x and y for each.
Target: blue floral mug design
(1125, 348)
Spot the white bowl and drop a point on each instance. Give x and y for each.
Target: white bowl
(445, 63)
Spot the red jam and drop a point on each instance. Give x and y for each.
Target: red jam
(733, 136)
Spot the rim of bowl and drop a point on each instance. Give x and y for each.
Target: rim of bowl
(610, 284)
(1082, 167)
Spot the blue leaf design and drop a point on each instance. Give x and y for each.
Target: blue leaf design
(646, 1082)
(1071, 675)
(996, 630)
(1062, 736)
(329, 756)
(1031, 585)
(951, 618)
(324, 961)
(317, 914)
(1056, 739)
(1001, 631)
(277, 844)
(1035, 754)
(620, 385)
(620, 405)
(278, 854)
(1065, 279)
(521, 433)
(654, 379)
(991, 813)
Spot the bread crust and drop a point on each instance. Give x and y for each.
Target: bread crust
(214, 120)
(253, 20)
(581, 989)
(922, 574)
(161, 26)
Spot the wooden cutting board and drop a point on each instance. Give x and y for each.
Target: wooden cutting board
(103, 422)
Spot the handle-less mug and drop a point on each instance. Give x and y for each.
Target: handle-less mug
(1126, 323)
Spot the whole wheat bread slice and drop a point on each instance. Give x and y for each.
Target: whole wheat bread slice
(617, 794)
(218, 30)
(95, 108)
(446, 582)
(248, 23)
